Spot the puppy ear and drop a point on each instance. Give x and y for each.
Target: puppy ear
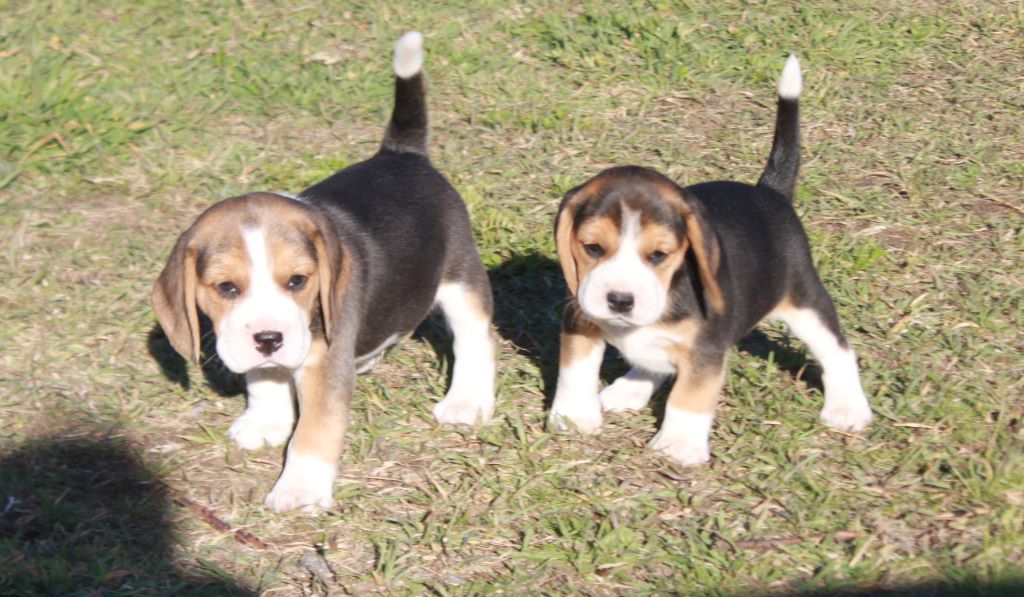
(334, 272)
(706, 249)
(174, 301)
(564, 237)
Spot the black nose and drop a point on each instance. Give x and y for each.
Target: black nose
(268, 342)
(620, 302)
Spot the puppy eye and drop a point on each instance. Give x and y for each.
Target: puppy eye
(657, 257)
(594, 250)
(296, 282)
(227, 289)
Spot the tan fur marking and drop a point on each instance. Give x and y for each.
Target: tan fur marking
(601, 231)
(230, 265)
(174, 302)
(785, 306)
(707, 264)
(695, 390)
(578, 342)
(707, 261)
(564, 238)
(563, 245)
(655, 237)
(320, 431)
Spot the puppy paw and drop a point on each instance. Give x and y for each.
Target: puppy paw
(579, 415)
(283, 500)
(626, 394)
(685, 451)
(464, 408)
(847, 415)
(254, 429)
(306, 483)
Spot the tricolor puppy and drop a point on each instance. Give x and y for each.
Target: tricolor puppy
(306, 292)
(674, 276)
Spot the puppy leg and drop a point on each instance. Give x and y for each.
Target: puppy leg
(470, 400)
(307, 480)
(632, 391)
(576, 401)
(270, 413)
(690, 411)
(846, 407)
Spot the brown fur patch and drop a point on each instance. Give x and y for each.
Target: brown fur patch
(697, 386)
(601, 231)
(656, 237)
(580, 337)
(323, 419)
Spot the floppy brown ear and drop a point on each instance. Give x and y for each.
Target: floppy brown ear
(174, 301)
(706, 251)
(563, 239)
(334, 272)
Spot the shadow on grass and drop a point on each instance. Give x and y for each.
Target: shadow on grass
(82, 514)
(175, 367)
(965, 586)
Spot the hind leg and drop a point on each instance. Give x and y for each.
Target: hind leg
(467, 308)
(815, 323)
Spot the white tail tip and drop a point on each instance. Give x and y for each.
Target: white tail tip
(791, 83)
(409, 54)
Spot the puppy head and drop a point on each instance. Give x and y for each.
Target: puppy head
(260, 267)
(622, 237)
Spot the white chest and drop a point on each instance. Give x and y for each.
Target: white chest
(646, 347)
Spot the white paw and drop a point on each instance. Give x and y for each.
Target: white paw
(254, 429)
(685, 451)
(626, 394)
(464, 408)
(581, 415)
(848, 415)
(306, 483)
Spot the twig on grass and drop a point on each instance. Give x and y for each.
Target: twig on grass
(242, 536)
(774, 542)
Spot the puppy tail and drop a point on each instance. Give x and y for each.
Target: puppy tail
(784, 160)
(407, 130)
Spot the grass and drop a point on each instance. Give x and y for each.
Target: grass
(122, 122)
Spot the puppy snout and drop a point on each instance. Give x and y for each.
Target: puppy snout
(620, 302)
(267, 342)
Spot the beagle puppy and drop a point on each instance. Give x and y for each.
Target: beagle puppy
(674, 276)
(305, 292)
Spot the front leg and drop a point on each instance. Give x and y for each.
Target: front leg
(270, 413)
(576, 401)
(311, 462)
(691, 410)
(632, 391)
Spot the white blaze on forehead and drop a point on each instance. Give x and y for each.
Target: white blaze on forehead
(261, 276)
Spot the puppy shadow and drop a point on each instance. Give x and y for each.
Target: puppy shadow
(529, 295)
(174, 367)
(785, 355)
(83, 514)
(529, 298)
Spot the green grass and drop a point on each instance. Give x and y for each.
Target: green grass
(120, 123)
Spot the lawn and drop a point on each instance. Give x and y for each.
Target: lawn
(121, 121)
